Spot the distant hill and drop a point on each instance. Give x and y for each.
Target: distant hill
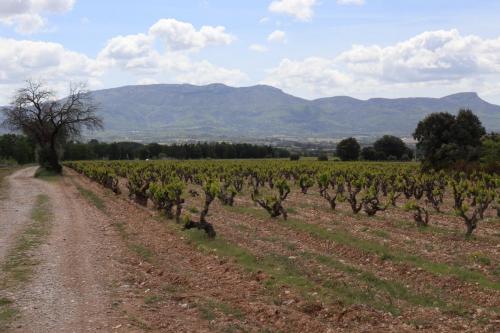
(217, 111)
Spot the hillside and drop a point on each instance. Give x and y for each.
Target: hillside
(216, 111)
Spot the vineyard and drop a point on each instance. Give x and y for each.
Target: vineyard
(421, 248)
(369, 188)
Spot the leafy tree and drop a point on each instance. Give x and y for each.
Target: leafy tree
(369, 154)
(154, 149)
(444, 139)
(348, 149)
(391, 146)
(490, 151)
(17, 147)
(76, 151)
(323, 157)
(50, 122)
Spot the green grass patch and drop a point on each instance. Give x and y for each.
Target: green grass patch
(210, 309)
(381, 250)
(283, 271)
(19, 263)
(42, 173)
(392, 288)
(380, 233)
(152, 299)
(7, 313)
(4, 172)
(93, 198)
(481, 259)
(122, 230)
(142, 251)
(193, 210)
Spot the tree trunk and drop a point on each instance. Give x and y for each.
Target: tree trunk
(49, 159)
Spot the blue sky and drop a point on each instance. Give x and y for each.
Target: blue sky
(310, 48)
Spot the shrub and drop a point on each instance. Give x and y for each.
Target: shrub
(348, 149)
(323, 157)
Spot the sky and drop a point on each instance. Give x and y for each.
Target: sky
(308, 48)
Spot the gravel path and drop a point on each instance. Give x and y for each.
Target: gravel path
(70, 288)
(15, 208)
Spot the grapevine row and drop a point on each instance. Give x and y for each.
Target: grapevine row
(367, 187)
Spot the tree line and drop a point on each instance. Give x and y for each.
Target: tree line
(50, 126)
(387, 148)
(22, 150)
(133, 150)
(443, 141)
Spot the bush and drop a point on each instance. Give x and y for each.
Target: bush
(369, 154)
(444, 139)
(348, 149)
(323, 157)
(294, 157)
(391, 146)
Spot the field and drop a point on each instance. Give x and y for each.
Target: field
(369, 264)
(366, 263)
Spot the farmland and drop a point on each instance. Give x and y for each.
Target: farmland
(291, 246)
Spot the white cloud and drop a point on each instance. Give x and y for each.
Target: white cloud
(147, 81)
(264, 20)
(300, 9)
(126, 47)
(351, 2)
(138, 55)
(26, 16)
(258, 48)
(132, 57)
(179, 36)
(51, 62)
(204, 72)
(277, 36)
(430, 56)
(23, 58)
(434, 61)
(312, 76)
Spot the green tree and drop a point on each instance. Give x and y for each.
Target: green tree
(17, 147)
(348, 149)
(368, 154)
(444, 139)
(391, 146)
(490, 151)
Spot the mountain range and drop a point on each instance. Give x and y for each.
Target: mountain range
(216, 111)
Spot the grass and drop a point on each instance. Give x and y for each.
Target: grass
(209, 310)
(93, 198)
(381, 250)
(366, 288)
(392, 288)
(7, 313)
(19, 263)
(152, 299)
(48, 175)
(4, 172)
(380, 233)
(283, 271)
(142, 251)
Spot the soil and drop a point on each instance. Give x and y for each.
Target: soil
(110, 265)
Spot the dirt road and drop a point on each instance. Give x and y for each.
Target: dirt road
(69, 290)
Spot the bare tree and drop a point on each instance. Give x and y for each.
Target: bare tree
(49, 121)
